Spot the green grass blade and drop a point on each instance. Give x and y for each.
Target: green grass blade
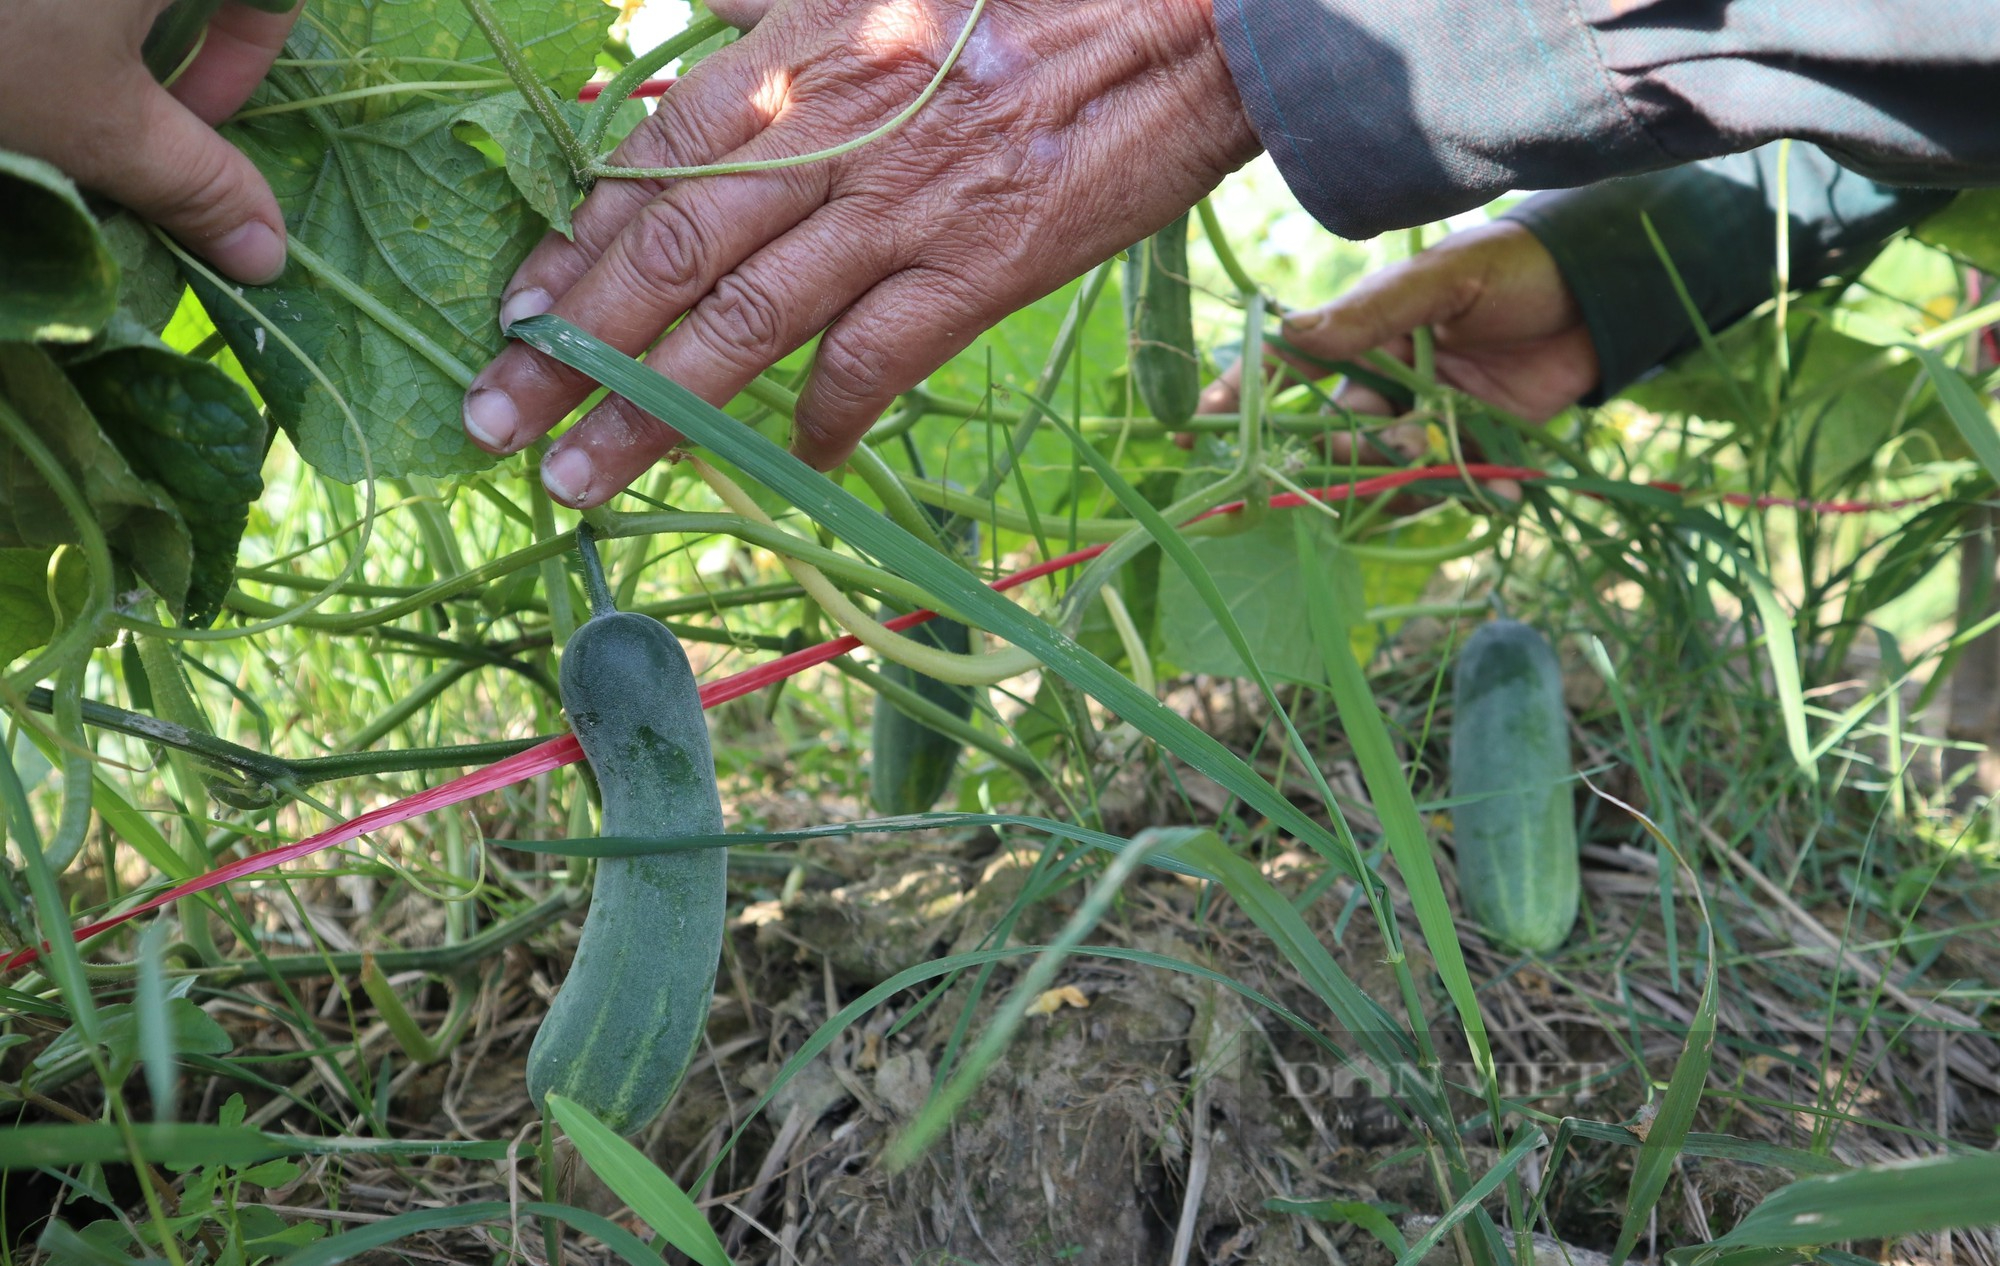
(1373, 1029)
(1881, 1202)
(1783, 654)
(1395, 806)
(1469, 1202)
(956, 592)
(1665, 1139)
(362, 1239)
(156, 1032)
(1964, 407)
(936, 1115)
(639, 1183)
(29, 1146)
(635, 846)
(1359, 1212)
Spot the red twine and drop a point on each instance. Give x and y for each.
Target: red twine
(556, 753)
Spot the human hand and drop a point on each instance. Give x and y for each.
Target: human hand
(1067, 130)
(1507, 329)
(75, 92)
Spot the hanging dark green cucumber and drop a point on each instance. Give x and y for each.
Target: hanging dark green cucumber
(1510, 767)
(910, 764)
(624, 1027)
(1159, 321)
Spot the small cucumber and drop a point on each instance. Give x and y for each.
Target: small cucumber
(624, 1027)
(1159, 321)
(1515, 825)
(910, 764)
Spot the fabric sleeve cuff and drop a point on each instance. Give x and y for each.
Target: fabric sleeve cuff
(1718, 224)
(1383, 116)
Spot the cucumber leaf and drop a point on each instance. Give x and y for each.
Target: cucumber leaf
(26, 619)
(185, 425)
(139, 520)
(1968, 227)
(403, 237)
(558, 38)
(57, 275)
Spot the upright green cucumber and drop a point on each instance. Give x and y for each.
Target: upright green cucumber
(1159, 321)
(1515, 823)
(910, 764)
(624, 1027)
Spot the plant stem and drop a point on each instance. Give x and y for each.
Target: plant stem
(533, 90)
(636, 72)
(373, 90)
(608, 171)
(381, 313)
(601, 603)
(888, 487)
(1225, 254)
(443, 958)
(274, 769)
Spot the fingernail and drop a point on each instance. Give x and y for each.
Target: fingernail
(523, 304)
(567, 473)
(491, 419)
(1307, 322)
(251, 252)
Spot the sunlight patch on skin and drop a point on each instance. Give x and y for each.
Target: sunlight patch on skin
(771, 96)
(896, 30)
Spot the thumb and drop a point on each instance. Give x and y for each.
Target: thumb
(1427, 289)
(176, 171)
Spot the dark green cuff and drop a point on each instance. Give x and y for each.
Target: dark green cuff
(1718, 222)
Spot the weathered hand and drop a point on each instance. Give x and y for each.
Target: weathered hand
(1068, 130)
(75, 92)
(1508, 329)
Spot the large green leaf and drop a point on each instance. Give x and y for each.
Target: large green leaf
(149, 282)
(533, 163)
(404, 233)
(559, 38)
(58, 281)
(1259, 575)
(185, 425)
(1262, 577)
(1968, 227)
(1853, 401)
(139, 521)
(26, 618)
(411, 234)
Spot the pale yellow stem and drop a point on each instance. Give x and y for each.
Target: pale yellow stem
(959, 670)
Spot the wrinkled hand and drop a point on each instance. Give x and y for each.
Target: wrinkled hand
(75, 92)
(1508, 331)
(1068, 130)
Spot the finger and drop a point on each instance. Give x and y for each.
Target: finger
(235, 56)
(1382, 307)
(671, 254)
(884, 345)
(769, 306)
(714, 110)
(741, 14)
(176, 171)
(1223, 394)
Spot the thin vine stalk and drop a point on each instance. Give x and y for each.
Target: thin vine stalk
(608, 171)
(959, 670)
